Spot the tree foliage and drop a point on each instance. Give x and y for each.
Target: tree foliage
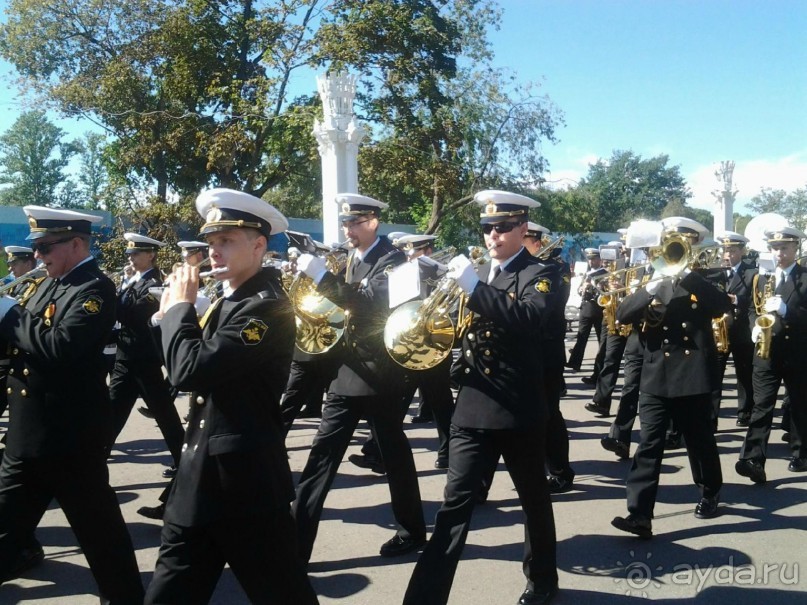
(32, 161)
(793, 206)
(626, 187)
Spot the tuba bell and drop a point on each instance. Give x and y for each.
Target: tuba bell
(320, 322)
(419, 335)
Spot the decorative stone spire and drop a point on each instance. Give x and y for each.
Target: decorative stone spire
(338, 135)
(723, 212)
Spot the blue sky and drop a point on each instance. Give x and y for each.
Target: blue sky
(699, 80)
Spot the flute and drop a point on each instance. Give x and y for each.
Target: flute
(213, 272)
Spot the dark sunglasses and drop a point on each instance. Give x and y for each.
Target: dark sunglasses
(45, 248)
(499, 227)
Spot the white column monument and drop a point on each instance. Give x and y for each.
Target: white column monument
(338, 136)
(723, 212)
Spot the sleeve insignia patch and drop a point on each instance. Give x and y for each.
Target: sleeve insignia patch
(543, 286)
(93, 305)
(253, 332)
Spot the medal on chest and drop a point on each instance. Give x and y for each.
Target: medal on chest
(50, 311)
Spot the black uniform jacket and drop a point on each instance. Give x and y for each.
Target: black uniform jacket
(739, 285)
(499, 370)
(233, 459)
(588, 302)
(59, 400)
(680, 357)
(367, 368)
(789, 332)
(135, 308)
(555, 327)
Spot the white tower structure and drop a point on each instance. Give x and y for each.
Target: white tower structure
(723, 212)
(338, 136)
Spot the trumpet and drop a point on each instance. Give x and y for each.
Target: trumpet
(32, 278)
(419, 335)
(545, 253)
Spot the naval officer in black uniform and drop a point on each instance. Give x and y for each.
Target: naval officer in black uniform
(739, 275)
(60, 417)
(368, 384)
(679, 371)
(783, 296)
(138, 364)
(500, 407)
(590, 311)
(229, 503)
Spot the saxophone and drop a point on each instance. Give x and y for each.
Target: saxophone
(764, 320)
(720, 331)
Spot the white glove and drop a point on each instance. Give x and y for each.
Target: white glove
(653, 286)
(775, 305)
(461, 270)
(663, 291)
(755, 332)
(313, 266)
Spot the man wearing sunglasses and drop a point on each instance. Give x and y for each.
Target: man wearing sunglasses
(60, 415)
(368, 384)
(501, 407)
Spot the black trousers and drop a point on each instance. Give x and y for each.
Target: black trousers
(612, 360)
(622, 427)
(583, 331)
(768, 377)
(132, 379)
(340, 416)
(80, 484)
(308, 382)
(557, 435)
(261, 550)
(435, 393)
(693, 415)
(470, 453)
(742, 352)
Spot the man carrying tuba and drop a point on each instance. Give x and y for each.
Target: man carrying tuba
(787, 307)
(368, 383)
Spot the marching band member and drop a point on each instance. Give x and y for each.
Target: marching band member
(499, 376)
(590, 311)
(739, 275)
(138, 364)
(782, 296)
(60, 417)
(229, 503)
(368, 384)
(678, 374)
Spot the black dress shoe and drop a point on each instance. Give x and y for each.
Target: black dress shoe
(786, 437)
(797, 465)
(600, 410)
(634, 524)
(170, 472)
(572, 368)
(399, 545)
(441, 463)
(420, 419)
(616, 446)
(673, 442)
(559, 485)
(28, 558)
(743, 420)
(374, 464)
(588, 380)
(152, 512)
(145, 411)
(751, 469)
(538, 596)
(707, 508)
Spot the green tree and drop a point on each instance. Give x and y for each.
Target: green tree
(626, 187)
(32, 159)
(92, 176)
(793, 205)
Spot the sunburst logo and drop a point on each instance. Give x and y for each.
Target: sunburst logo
(639, 575)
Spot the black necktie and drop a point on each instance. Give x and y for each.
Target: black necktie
(780, 282)
(496, 270)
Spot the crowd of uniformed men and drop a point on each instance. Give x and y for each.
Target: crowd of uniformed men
(227, 337)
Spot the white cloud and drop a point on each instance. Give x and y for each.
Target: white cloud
(750, 176)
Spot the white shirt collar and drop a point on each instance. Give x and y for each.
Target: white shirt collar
(501, 263)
